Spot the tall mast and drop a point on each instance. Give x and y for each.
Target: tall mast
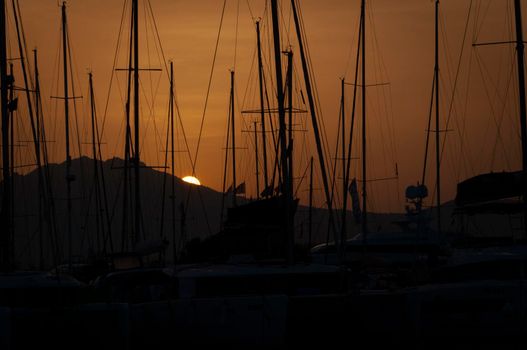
(46, 202)
(286, 186)
(344, 177)
(438, 155)
(289, 55)
(262, 108)
(233, 141)
(521, 90)
(314, 122)
(364, 221)
(352, 124)
(69, 177)
(173, 185)
(6, 236)
(101, 195)
(35, 129)
(40, 184)
(310, 215)
(125, 235)
(95, 165)
(11, 98)
(256, 159)
(137, 155)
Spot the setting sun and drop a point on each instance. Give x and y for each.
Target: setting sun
(192, 180)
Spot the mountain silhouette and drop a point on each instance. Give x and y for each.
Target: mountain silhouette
(202, 207)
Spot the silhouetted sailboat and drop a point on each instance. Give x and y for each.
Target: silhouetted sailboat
(253, 260)
(478, 295)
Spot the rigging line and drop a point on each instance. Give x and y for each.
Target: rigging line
(250, 10)
(393, 133)
(27, 80)
(174, 87)
(208, 91)
(493, 112)
(485, 11)
(484, 84)
(323, 136)
(73, 61)
(47, 193)
(178, 113)
(157, 46)
(151, 118)
(24, 44)
(53, 107)
(350, 52)
(118, 45)
(320, 117)
(106, 224)
(149, 59)
(335, 161)
(248, 85)
(495, 85)
(376, 106)
(427, 140)
(165, 172)
(75, 112)
(273, 131)
(236, 34)
(288, 25)
(499, 123)
(76, 117)
(353, 110)
(463, 129)
(302, 179)
(454, 88)
(225, 165)
(193, 162)
(383, 71)
(150, 104)
(123, 120)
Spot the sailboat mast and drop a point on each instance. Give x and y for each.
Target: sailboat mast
(314, 121)
(289, 55)
(286, 186)
(12, 138)
(35, 125)
(95, 165)
(173, 179)
(40, 184)
(37, 98)
(233, 141)
(438, 155)
(6, 244)
(137, 156)
(256, 159)
(350, 141)
(344, 177)
(69, 176)
(364, 221)
(310, 214)
(521, 90)
(262, 108)
(92, 110)
(125, 237)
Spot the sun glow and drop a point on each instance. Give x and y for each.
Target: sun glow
(192, 180)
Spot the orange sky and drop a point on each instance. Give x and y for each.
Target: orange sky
(400, 50)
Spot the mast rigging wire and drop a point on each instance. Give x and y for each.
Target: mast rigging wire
(208, 90)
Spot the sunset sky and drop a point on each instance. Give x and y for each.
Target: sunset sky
(400, 51)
